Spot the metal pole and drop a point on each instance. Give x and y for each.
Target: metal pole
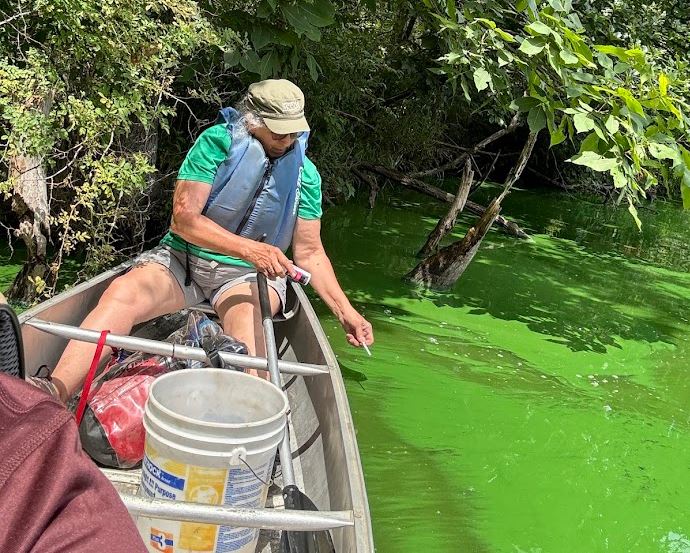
(272, 519)
(144, 345)
(272, 357)
(284, 447)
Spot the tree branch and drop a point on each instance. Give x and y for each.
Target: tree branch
(514, 122)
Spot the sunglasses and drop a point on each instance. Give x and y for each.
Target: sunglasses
(291, 136)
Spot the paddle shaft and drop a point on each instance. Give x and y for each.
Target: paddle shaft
(272, 359)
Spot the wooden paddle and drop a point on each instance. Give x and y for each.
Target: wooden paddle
(291, 541)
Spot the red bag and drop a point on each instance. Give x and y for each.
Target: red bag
(112, 432)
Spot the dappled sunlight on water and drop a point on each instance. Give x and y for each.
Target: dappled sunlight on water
(541, 405)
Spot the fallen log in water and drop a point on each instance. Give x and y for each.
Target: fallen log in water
(506, 225)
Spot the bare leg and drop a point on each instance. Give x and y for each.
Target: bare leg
(145, 292)
(239, 311)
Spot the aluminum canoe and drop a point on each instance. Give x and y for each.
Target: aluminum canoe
(324, 445)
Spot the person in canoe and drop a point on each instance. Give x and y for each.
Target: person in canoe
(245, 193)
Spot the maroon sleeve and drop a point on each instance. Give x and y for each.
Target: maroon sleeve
(53, 498)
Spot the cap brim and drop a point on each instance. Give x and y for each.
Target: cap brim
(286, 126)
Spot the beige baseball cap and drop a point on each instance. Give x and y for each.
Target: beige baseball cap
(280, 103)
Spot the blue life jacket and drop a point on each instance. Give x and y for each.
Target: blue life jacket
(253, 195)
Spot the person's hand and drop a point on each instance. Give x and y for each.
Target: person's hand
(357, 329)
(269, 260)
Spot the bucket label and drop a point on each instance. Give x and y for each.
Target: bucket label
(162, 541)
(159, 483)
(236, 486)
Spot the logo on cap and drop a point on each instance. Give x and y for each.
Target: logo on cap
(292, 105)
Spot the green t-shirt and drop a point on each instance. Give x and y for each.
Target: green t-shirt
(202, 161)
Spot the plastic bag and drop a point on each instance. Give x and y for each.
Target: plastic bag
(200, 331)
(112, 430)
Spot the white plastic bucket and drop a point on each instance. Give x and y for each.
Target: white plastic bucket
(205, 428)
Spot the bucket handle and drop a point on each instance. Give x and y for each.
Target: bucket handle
(238, 455)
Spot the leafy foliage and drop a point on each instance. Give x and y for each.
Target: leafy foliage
(85, 76)
(108, 95)
(613, 102)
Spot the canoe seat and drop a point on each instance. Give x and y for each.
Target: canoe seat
(11, 350)
(290, 310)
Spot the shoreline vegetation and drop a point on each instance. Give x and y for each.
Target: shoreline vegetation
(98, 106)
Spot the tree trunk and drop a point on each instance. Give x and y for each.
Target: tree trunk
(509, 227)
(446, 224)
(30, 203)
(444, 268)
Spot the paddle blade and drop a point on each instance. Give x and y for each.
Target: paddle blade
(303, 542)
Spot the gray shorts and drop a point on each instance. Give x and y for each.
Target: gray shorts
(209, 278)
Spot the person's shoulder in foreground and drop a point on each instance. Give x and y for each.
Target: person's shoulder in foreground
(53, 498)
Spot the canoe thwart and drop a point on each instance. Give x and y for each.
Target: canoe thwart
(145, 345)
(270, 519)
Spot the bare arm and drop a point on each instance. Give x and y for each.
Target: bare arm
(310, 254)
(190, 225)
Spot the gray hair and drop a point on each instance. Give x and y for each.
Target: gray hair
(248, 117)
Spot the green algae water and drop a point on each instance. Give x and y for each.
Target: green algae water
(539, 406)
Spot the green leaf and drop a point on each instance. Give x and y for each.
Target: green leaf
(536, 119)
(306, 17)
(313, 68)
(250, 61)
(265, 10)
(231, 58)
(568, 57)
(662, 151)
(557, 136)
(685, 194)
(594, 161)
(450, 8)
(538, 28)
(269, 65)
(630, 101)
(583, 122)
(261, 36)
(481, 78)
(605, 61)
(504, 58)
(612, 125)
(574, 91)
(487, 22)
(663, 84)
(619, 180)
(504, 35)
(590, 144)
(532, 46)
(526, 103)
(465, 89)
(633, 211)
(617, 51)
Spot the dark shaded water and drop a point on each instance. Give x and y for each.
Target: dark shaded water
(539, 406)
